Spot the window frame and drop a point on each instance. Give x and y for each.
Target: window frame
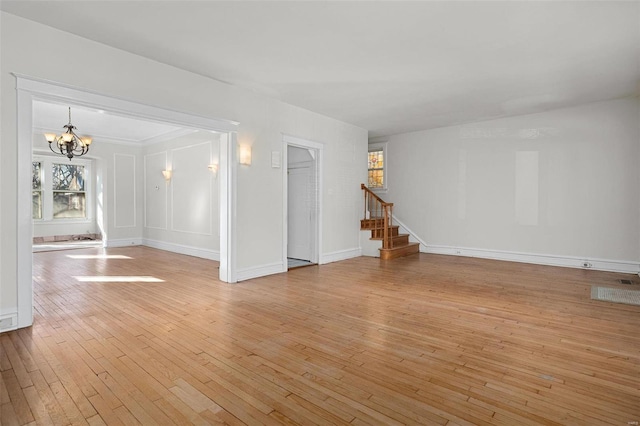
(66, 192)
(47, 190)
(379, 146)
(40, 190)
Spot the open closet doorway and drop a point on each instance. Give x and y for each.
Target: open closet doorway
(302, 209)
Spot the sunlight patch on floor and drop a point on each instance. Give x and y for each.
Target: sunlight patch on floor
(118, 279)
(98, 256)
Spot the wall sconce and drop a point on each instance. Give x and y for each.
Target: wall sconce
(167, 175)
(245, 155)
(213, 168)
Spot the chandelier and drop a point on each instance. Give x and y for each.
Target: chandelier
(68, 143)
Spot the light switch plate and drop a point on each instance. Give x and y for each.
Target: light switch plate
(275, 159)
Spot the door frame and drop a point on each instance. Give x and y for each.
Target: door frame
(305, 171)
(30, 89)
(317, 150)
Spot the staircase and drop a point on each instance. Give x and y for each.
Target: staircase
(378, 218)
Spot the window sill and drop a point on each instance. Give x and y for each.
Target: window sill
(61, 221)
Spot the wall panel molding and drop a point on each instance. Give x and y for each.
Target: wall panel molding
(183, 249)
(151, 182)
(124, 191)
(191, 189)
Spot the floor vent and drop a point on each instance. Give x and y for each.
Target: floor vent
(627, 282)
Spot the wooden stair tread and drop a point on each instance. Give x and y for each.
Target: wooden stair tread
(399, 251)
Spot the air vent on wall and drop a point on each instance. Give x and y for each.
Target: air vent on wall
(8, 323)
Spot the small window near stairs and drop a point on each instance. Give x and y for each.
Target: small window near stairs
(376, 167)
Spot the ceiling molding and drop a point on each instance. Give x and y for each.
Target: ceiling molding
(167, 136)
(94, 137)
(46, 90)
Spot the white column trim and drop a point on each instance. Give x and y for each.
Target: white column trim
(24, 233)
(227, 172)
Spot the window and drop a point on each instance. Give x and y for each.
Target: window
(376, 164)
(61, 192)
(68, 191)
(36, 190)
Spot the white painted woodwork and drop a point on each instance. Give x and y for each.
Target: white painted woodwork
(301, 153)
(28, 90)
(183, 213)
(299, 211)
(49, 226)
(155, 190)
(144, 89)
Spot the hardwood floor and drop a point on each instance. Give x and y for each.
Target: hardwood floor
(424, 339)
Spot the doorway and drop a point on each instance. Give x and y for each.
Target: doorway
(302, 205)
(30, 90)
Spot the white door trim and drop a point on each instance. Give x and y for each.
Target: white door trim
(227, 172)
(318, 149)
(30, 89)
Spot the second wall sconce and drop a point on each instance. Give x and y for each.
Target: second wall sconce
(245, 155)
(167, 175)
(213, 168)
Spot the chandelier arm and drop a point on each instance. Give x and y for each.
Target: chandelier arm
(51, 148)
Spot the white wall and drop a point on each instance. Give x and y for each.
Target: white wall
(564, 183)
(36, 50)
(182, 214)
(118, 192)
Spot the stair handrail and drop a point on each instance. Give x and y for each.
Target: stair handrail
(373, 205)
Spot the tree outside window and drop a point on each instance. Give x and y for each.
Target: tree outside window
(36, 190)
(69, 198)
(61, 192)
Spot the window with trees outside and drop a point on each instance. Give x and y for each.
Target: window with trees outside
(376, 169)
(36, 190)
(68, 191)
(60, 191)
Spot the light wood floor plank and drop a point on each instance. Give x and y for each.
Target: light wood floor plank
(424, 339)
(17, 399)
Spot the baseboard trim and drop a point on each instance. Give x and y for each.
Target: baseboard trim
(124, 242)
(423, 245)
(337, 256)
(260, 271)
(8, 322)
(628, 267)
(182, 249)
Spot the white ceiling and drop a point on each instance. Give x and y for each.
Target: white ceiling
(389, 67)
